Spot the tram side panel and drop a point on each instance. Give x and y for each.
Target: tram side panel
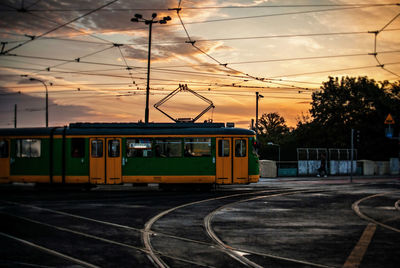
(168, 160)
(4, 160)
(29, 159)
(76, 160)
(254, 166)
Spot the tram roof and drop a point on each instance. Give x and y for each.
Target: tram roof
(131, 129)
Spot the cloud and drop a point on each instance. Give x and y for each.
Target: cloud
(31, 110)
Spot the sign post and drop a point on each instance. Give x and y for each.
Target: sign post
(389, 130)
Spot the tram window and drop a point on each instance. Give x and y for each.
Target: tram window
(113, 148)
(3, 149)
(78, 147)
(168, 148)
(138, 148)
(28, 148)
(240, 148)
(195, 147)
(223, 148)
(97, 148)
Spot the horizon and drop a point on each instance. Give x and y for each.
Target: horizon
(93, 59)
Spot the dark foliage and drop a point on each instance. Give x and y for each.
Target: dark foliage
(342, 104)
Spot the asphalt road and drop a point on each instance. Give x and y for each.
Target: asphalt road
(302, 222)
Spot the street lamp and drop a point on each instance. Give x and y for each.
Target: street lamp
(279, 152)
(47, 98)
(139, 18)
(258, 96)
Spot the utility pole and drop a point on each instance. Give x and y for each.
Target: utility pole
(139, 18)
(352, 155)
(258, 96)
(47, 99)
(15, 115)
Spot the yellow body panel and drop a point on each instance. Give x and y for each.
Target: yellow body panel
(114, 164)
(224, 164)
(254, 178)
(168, 179)
(240, 166)
(97, 164)
(5, 165)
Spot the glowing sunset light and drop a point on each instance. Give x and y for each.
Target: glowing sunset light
(94, 59)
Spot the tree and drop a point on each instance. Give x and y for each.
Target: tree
(272, 128)
(358, 103)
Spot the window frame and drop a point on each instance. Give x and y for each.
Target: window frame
(21, 153)
(241, 142)
(221, 149)
(111, 152)
(192, 152)
(4, 153)
(146, 148)
(102, 148)
(166, 142)
(79, 144)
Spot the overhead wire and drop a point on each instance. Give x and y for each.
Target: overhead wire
(375, 53)
(219, 63)
(128, 68)
(225, 65)
(71, 27)
(360, 5)
(76, 60)
(59, 26)
(270, 15)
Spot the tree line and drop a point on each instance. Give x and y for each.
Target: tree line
(340, 105)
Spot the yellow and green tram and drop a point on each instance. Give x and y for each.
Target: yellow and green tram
(117, 153)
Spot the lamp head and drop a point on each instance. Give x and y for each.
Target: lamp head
(154, 15)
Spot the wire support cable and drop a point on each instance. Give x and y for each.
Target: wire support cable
(128, 68)
(77, 60)
(224, 64)
(358, 5)
(59, 27)
(375, 53)
(103, 41)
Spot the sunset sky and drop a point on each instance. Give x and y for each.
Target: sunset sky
(94, 59)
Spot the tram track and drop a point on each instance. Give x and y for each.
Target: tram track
(356, 208)
(201, 211)
(219, 245)
(232, 251)
(110, 224)
(86, 235)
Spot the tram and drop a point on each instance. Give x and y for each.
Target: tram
(137, 153)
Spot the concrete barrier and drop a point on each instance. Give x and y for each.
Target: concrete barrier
(394, 166)
(268, 169)
(368, 167)
(382, 168)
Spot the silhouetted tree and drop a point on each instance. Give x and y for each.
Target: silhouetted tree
(272, 128)
(358, 103)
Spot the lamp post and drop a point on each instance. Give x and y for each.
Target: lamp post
(47, 99)
(258, 96)
(139, 18)
(279, 152)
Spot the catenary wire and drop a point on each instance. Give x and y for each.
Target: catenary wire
(59, 27)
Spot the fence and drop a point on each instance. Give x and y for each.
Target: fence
(338, 161)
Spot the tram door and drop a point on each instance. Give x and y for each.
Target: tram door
(4, 160)
(240, 161)
(114, 162)
(97, 161)
(224, 161)
(105, 161)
